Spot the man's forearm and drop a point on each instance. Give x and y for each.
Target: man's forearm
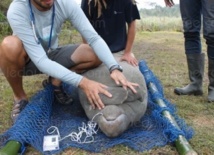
(130, 36)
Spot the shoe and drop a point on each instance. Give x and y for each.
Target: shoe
(211, 80)
(62, 97)
(18, 106)
(195, 64)
(46, 82)
(59, 94)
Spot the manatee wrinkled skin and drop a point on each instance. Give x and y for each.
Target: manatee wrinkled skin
(125, 107)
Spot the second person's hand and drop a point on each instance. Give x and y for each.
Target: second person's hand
(169, 3)
(130, 58)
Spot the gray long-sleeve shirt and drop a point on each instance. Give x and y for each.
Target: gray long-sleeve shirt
(19, 19)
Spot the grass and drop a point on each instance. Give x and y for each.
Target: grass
(155, 23)
(164, 53)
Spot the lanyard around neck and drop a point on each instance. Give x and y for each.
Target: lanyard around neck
(33, 24)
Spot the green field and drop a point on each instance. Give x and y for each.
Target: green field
(165, 56)
(159, 41)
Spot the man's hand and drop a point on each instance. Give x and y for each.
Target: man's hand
(130, 58)
(92, 90)
(169, 3)
(120, 79)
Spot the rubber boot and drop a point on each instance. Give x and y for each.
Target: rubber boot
(195, 64)
(211, 79)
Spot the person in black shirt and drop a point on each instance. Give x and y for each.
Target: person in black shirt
(110, 18)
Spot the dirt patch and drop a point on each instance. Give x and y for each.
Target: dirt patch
(204, 121)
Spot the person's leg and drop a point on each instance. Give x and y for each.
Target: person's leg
(84, 58)
(191, 17)
(78, 58)
(118, 55)
(208, 30)
(12, 61)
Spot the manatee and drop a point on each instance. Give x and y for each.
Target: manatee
(125, 108)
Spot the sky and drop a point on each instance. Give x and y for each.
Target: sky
(145, 3)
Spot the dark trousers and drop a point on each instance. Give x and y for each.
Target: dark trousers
(194, 13)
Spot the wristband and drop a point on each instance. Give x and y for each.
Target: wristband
(118, 67)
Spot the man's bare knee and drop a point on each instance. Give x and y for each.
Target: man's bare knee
(11, 43)
(11, 47)
(94, 58)
(85, 54)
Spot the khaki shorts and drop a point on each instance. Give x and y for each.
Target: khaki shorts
(118, 55)
(61, 55)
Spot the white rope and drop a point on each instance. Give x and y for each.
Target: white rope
(88, 130)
